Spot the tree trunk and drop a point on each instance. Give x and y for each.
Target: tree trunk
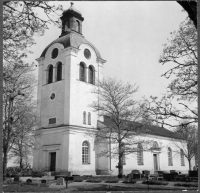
(189, 161)
(20, 154)
(120, 167)
(5, 160)
(21, 163)
(120, 164)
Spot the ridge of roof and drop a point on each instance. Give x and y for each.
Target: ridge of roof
(147, 129)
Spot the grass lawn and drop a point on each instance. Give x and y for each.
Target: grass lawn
(92, 188)
(27, 188)
(113, 187)
(97, 187)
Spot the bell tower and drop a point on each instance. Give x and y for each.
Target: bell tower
(69, 68)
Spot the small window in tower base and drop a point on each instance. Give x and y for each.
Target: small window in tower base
(52, 120)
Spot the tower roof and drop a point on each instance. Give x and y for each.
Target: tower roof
(72, 8)
(72, 39)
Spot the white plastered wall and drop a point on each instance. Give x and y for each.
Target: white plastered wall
(148, 164)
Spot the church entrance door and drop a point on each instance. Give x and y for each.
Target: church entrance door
(155, 161)
(53, 161)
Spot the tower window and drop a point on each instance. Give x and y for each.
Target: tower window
(82, 72)
(59, 71)
(78, 26)
(89, 118)
(91, 75)
(84, 117)
(170, 162)
(54, 53)
(66, 25)
(52, 120)
(140, 154)
(85, 152)
(50, 74)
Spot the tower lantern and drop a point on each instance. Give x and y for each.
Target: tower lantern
(71, 20)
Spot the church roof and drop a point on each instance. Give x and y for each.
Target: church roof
(148, 129)
(73, 39)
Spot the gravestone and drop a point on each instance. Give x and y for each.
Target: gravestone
(16, 179)
(28, 181)
(60, 181)
(43, 181)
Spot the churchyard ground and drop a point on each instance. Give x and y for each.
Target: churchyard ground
(95, 185)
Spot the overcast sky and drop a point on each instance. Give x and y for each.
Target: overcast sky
(129, 36)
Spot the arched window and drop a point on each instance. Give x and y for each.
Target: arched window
(82, 72)
(170, 162)
(155, 145)
(77, 26)
(89, 118)
(85, 153)
(50, 74)
(140, 154)
(182, 158)
(84, 117)
(67, 25)
(91, 75)
(59, 71)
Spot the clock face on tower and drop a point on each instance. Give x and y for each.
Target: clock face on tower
(87, 54)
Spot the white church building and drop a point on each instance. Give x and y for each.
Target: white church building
(68, 69)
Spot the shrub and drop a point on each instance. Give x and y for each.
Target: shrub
(129, 181)
(151, 182)
(78, 180)
(187, 184)
(112, 181)
(9, 181)
(94, 180)
(37, 174)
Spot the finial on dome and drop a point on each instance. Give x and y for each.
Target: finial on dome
(72, 4)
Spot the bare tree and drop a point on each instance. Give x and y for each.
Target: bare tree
(21, 23)
(179, 103)
(187, 142)
(167, 111)
(122, 119)
(24, 142)
(18, 103)
(181, 50)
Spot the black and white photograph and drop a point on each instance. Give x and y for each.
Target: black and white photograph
(100, 96)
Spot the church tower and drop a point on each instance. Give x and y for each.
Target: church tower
(69, 68)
